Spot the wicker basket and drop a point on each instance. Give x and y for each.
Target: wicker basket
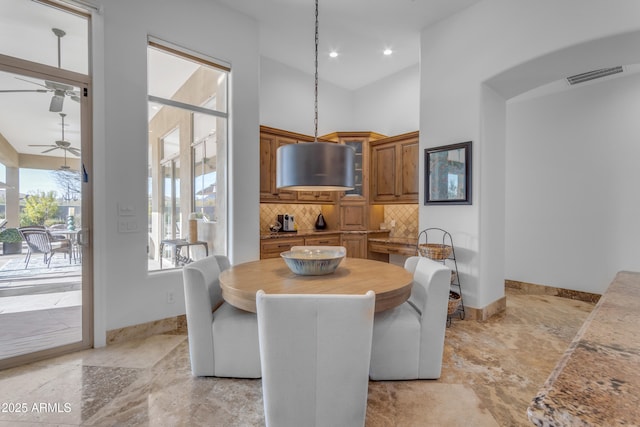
(454, 302)
(435, 251)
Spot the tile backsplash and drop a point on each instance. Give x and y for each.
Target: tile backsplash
(405, 217)
(305, 215)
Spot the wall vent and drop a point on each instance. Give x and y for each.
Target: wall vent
(591, 75)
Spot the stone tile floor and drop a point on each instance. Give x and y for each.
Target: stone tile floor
(491, 371)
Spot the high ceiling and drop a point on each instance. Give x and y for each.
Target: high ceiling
(358, 30)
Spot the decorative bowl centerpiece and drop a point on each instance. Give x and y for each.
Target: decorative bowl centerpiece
(314, 260)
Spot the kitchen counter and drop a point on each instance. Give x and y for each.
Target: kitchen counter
(393, 245)
(597, 381)
(312, 232)
(273, 244)
(404, 241)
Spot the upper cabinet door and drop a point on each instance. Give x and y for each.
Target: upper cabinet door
(384, 167)
(269, 143)
(359, 171)
(394, 169)
(407, 175)
(267, 171)
(282, 194)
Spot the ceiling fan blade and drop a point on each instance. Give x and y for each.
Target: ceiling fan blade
(56, 103)
(50, 149)
(25, 90)
(41, 145)
(74, 151)
(33, 83)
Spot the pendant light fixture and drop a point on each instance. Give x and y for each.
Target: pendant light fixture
(315, 166)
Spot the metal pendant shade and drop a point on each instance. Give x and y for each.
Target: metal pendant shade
(315, 166)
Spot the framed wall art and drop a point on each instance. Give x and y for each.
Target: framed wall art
(448, 174)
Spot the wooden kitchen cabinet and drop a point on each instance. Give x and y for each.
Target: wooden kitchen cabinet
(270, 140)
(355, 243)
(353, 216)
(353, 207)
(317, 196)
(325, 240)
(394, 169)
(269, 143)
(271, 248)
(359, 141)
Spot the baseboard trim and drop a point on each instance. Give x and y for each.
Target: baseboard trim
(533, 289)
(500, 305)
(170, 325)
(480, 314)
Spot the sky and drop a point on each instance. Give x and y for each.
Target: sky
(32, 180)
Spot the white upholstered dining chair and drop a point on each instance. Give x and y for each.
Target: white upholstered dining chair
(315, 352)
(408, 340)
(223, 340)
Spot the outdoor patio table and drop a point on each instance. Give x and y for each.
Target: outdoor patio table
(177, 245)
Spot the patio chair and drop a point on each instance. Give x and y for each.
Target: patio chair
(40, 241)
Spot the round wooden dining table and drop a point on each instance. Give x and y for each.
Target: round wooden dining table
(354, 276)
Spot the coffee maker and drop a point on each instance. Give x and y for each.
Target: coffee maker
(287, 221)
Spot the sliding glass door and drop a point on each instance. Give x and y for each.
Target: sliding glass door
(45, 168)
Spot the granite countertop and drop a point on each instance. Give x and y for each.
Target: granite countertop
(597, 381)
(405, 241)
(312, 232)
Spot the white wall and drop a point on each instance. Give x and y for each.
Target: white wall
(464, 52)
(286, 101)
(390, 106)
(571, 195)
(125, 293)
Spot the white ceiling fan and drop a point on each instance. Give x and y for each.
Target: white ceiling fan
(60, 144)
(59, 90)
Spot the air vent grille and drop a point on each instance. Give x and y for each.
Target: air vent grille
(591, 75)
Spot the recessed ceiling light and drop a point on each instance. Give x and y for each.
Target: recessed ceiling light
(387, 52)
(333, 54)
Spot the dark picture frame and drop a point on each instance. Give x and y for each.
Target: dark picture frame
(447, 175)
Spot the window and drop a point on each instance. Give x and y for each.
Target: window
(187, 154)
(170, 165)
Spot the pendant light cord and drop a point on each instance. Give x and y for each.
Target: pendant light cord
(315, 105)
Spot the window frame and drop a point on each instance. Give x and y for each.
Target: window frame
(222, 112)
